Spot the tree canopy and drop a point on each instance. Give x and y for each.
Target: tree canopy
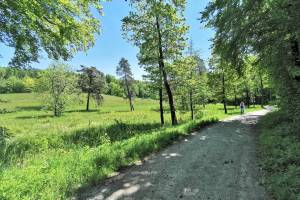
(269, 30)
(59, 28)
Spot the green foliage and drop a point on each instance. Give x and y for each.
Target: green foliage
(59, 28)
(190, 81)
(56, 86)
(270, 31)
(280, 155)
(91, 81)
(140, 32)
(158, 29)
(127, 80)
(17, 80)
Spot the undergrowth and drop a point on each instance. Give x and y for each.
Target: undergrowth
(280, 155)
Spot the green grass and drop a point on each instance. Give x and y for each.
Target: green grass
(280, 156)
(51, 158)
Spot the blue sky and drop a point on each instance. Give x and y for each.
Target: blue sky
(110, 46)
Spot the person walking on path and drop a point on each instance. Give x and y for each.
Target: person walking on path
(242, 107)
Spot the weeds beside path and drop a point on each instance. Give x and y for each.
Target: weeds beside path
(218, 162)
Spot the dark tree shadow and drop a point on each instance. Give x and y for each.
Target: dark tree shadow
(94, 136)
(29, 108)
(234, 113)
(227, 108)
(36, 117)
(82, 111)
(3, 101)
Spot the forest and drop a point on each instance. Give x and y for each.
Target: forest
(66, 129)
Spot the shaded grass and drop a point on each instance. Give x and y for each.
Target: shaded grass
(280, 156)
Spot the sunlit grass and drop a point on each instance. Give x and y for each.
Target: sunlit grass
(50, 158)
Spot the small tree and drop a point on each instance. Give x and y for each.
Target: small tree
(91, 81)
(124, 71)
(57, 85)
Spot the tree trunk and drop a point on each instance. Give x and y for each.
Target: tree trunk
(247, 98)
(191, 105)
(161, 108)
(165, 78)
(129, 94)
(262, 91)
(224, 92)
(89, 94)
(235, 99)
(131, 104)
(88, 101)
(55, 110)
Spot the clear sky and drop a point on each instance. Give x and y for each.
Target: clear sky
(110, 46)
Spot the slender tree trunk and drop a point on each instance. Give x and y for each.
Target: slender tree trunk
(224, 92)
(88, 101)
(132, 107)
(191, 105)
(89, 94)
(235, 99)
(55, 110)
(129, 94)
(262, 91)
(247, 98)
(165, 78)
(161, 108)
(182, 102)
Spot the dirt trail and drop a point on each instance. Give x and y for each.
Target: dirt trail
(216, 163)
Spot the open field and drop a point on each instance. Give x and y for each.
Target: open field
(50, 158)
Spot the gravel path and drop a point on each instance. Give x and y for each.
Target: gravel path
(216, 163)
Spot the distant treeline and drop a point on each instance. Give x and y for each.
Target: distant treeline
(14, 80)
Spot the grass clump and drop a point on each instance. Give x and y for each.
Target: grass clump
(280, 154)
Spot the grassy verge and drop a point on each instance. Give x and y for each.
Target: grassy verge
(42, 157)
(57, 174)
(280, 156)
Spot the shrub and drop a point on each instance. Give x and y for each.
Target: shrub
(280, 154)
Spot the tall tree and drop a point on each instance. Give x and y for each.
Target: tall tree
(223, 79)
(91, 81)
(157, 28)
(58, 28)
(124, 71)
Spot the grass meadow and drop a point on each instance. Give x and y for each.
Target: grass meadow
(46, 157)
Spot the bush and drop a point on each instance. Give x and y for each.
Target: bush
(280, 154)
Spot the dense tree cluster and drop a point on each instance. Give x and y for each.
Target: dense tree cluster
(268, 30)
